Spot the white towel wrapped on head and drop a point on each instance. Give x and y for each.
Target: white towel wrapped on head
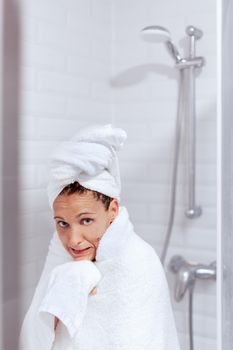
(89, 157)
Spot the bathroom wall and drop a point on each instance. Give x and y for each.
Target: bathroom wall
(83, 61)
(65, 60)
(144, 92)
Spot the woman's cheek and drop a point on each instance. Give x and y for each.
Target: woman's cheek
(95, 241)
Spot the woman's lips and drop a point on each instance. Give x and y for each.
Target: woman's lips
(80, 252)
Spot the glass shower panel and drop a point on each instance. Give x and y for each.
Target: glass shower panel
(227, 175)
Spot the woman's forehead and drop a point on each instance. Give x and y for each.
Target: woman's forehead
(77, 202)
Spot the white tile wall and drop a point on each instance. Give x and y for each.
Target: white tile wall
(144, 88)
(83, 61)
(65, 69)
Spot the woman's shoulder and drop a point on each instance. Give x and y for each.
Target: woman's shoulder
(142, 254)
(142, 246)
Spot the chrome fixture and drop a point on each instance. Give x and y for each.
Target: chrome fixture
(195, 32)
(193, 211)
(186, 109)
(157, 34)
(187, 273)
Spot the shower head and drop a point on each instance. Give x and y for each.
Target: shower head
(155, 34)
(159, 34)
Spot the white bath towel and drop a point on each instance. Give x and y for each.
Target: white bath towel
(89, 157)
(70, 282)
(131, 310)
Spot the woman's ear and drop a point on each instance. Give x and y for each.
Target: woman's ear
(114, 209)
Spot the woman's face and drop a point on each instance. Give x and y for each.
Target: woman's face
(81, 221)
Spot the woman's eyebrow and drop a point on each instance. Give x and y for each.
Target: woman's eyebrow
(84, 213)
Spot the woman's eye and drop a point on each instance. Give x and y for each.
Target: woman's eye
(62, 224)
(87, 220)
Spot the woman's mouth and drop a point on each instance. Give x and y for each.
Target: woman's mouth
(81, 252)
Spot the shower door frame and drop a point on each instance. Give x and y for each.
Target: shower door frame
(225, 176)
(9, 173)
(1, 115)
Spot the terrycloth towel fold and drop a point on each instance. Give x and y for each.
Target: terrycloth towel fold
(131, 309)
(67, 293)
(89, 157)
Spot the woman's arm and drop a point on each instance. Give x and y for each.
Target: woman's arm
(33, 331)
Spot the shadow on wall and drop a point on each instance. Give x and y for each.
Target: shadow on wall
(139, 73)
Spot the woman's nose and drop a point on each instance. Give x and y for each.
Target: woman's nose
(75, 238)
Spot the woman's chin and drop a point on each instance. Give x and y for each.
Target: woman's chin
(82, 258)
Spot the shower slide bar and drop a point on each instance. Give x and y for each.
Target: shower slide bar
(189, 65)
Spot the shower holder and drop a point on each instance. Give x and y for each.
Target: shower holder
(190, 62)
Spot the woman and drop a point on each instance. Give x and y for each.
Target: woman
(102, 287)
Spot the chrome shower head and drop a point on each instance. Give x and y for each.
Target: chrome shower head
(155, 34)
(159, 34)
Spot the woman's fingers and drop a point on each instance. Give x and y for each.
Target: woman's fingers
(93, 291)
(56, 320)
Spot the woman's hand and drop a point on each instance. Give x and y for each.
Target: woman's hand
(93, 291)
(56, 320)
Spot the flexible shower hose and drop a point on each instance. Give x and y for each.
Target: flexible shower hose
(190, 298)
(179, 122)
(179, 119)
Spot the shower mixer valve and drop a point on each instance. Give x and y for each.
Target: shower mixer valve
(188, 272)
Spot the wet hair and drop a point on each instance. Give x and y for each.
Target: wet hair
(75, 187)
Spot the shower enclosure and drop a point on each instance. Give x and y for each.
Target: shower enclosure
(59, 60)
